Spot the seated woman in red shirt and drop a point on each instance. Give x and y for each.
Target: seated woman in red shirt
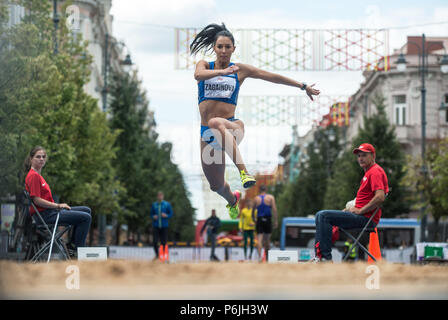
(40, 193)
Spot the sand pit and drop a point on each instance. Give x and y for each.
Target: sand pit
(130, 279)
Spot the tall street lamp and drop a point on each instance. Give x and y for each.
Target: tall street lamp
(423, 69)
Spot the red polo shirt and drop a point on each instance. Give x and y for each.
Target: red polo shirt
(374, 179)
(36, 186)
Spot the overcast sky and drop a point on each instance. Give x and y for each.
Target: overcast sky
(147, 28)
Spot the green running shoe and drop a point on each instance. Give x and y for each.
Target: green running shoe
(247, 180)
(234, 211)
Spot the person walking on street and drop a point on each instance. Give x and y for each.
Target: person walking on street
(265, 204)
(212, 224)
(161, 211)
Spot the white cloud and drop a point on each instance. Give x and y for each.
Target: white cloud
(167, 12)
(441, 14)
(146, 25)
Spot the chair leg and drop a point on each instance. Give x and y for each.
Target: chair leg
(64, 250)
(46, 246)
(356, 243)
(353, 239)
(40, 250)
(52, 237)
(59, 242)
(62, 243)
(366, 251)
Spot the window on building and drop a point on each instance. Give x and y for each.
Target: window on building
(400, 110)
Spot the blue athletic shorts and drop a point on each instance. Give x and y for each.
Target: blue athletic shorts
(207, 135)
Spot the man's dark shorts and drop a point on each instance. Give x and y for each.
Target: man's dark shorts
(264, 225)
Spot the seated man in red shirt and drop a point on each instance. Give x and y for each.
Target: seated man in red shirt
(370, 195)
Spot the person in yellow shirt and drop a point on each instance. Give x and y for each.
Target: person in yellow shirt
(247, 226)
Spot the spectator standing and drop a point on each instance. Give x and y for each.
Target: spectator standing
(161, 211)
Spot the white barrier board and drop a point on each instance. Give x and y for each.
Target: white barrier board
(92, 253)
(283, 256)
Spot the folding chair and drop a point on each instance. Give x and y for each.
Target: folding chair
(366, 228)
(43, 230)
(356, 242)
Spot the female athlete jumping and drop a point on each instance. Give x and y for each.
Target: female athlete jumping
(219, 82)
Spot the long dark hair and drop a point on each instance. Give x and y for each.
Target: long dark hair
(27, 164)
(206, 39)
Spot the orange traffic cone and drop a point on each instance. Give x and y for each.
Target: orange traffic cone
(374, 247)
(166, 257)
(161, 253)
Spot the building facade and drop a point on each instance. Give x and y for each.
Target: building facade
(296, 153)
(402, 92)
(91, 21)
(95, 26)
(403, 97)
(16, 13)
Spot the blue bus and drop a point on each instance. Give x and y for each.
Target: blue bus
(397, 238)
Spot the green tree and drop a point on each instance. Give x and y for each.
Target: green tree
(143, 165)
(43, 103)
(306, 193)
(171, 182)
(129, 119)
(432, 183)
(441, 172)
(344, 183)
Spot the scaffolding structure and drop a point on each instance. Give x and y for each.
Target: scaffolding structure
(295, 49)
(287, 110)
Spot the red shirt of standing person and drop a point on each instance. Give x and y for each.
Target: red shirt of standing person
(370, 195)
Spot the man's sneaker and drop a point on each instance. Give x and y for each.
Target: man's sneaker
(314, 260)
(72, 250)
(319, 260)
(234, 211)
(247, 180)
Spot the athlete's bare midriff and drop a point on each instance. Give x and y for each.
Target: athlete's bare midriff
(209, 109)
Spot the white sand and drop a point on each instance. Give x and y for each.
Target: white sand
(120, 279)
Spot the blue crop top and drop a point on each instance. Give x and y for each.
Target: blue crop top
(220, 88)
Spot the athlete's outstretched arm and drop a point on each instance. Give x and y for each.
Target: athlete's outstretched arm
(248, 71)
(203, 73)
